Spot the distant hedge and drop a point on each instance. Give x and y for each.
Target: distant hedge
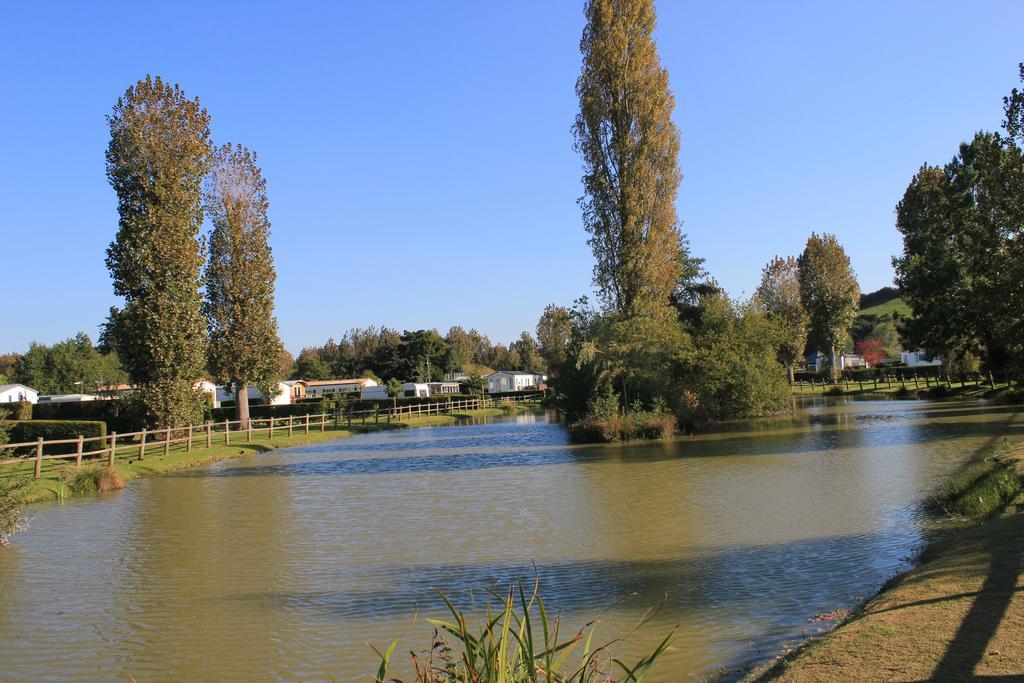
(264, 411)
(30, 430)
(119, 415)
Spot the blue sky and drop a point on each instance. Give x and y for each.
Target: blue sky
(419, 158)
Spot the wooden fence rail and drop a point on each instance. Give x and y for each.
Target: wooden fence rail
(135, 444)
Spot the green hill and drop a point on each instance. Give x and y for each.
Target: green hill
(895, 305)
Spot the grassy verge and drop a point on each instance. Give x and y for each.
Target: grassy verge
(959, 615)
(52, 486)
(867, 389)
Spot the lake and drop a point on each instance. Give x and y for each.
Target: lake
(285, 565)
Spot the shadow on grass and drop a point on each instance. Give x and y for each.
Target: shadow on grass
(971, 641)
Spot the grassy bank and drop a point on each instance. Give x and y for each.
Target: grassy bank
(51, 487)
(868, 389)
(959, 615)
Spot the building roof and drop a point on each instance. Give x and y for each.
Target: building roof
(117, 387)
(8, 387)
(516, 372)
(325, 382)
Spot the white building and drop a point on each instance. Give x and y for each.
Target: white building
(442, 388)
(11, 393)
(68, 398)
(322, 387)
(375, 393)
(847, 361)
(416, 390)
(208, 388)
(282, 395)
(514, 380)
(918, 358)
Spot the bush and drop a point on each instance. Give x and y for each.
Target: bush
(17, 410)
(633, 425)
(86, 480)
(30, 430)
(13, 495)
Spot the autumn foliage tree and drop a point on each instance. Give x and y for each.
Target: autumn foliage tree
(630, 147)
(244, 346)
(872, 350)
(157, 158)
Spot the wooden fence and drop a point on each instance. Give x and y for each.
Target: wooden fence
(135, 445)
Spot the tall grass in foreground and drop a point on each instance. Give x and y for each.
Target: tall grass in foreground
(513, 646)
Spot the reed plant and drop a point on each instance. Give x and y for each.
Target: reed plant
(92, 479)
(518, 642)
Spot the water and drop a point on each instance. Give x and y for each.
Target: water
(285, 565)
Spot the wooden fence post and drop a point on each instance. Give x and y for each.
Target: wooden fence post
(188, 442)
(142, 445)
(307, 423)
(78, 453)
(323, 422)
(291, 423)
(209, 434)
(39, 457)
(227, 432)
(167, 441)
(248, 431)
(271, 433)
(113, 448)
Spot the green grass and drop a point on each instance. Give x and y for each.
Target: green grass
(897, 305)
(957, 389)
(55, 482)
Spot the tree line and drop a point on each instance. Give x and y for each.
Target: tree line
(420, 355)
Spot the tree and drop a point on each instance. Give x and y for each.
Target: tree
(630, 147)
(529, 353)
(962, 267)
(871, 349)
(309, 366)
(829, 292)
(73, 365)
(8, 364)
(244, 347)
(554, 331)
(779, 292)
(157, 158)
(285, 364)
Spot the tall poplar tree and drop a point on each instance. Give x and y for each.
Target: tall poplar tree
(779, 292)
(630, 147)
(829, 291)
(156, 160)
(244, 346)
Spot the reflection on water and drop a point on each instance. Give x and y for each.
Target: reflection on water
(285, 565)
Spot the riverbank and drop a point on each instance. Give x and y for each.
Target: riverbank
(49, 486)
(958, 615)
(1001, 391)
